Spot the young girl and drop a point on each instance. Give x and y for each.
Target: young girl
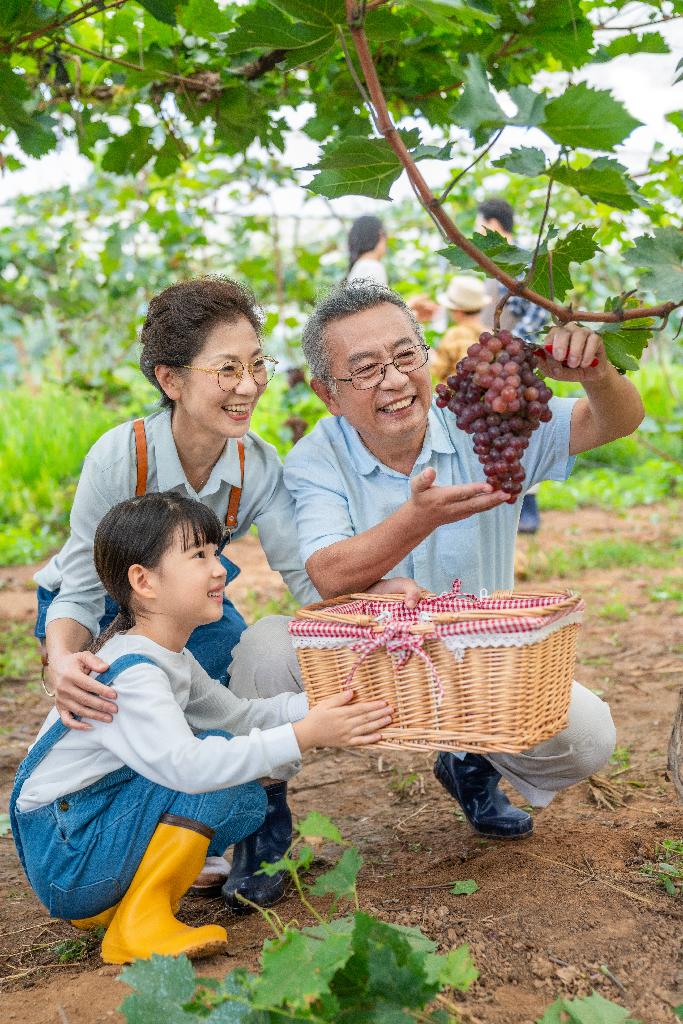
(113, 824)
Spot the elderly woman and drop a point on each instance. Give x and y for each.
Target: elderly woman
(202, 349)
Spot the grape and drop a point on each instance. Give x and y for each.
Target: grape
(496, 395)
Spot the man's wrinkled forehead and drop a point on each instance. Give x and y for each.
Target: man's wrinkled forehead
(370, 334)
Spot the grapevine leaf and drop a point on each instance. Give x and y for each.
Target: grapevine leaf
(33, 130)
(476, 106)
(317, 826)
(167, 159)
(604, 180)
(675, 117)
(561, 30)
(128, 153)
(456, 969)
(205, 18)
(586, 117)
(298, 968)
(341, 879)
(465, 887)
(163, 10)
(551, 275)
(508, 257)
(313, 12)
(649, 42)
(357, 166)
(530, 107)
(678, 1011)
(592, 1009)
(432, 152)
(445, 12)
(268, 28)
(301, 862)
(625, 342)
(660, 255)
(162, 985)
(526, 160)
(395, 972)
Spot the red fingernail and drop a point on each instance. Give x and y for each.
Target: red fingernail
(541, 352)
(595, 362)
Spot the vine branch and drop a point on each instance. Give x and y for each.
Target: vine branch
(92, 7)
(354, 14)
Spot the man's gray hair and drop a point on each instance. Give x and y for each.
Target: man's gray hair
(343, 301)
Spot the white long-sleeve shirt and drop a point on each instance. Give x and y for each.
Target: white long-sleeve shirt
(152, 732)
(108, 477)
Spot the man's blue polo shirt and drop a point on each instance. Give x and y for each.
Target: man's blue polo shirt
(341, 489)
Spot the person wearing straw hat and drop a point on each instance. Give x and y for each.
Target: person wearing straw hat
(464, 299)
(389, 487)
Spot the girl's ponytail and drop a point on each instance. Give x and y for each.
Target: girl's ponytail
(121, 623)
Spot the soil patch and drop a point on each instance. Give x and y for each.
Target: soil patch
(566, 911)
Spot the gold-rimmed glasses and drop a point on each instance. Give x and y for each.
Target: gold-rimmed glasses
(230, 374)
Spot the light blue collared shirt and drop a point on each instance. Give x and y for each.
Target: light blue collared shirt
(341, 490)
(109, 476)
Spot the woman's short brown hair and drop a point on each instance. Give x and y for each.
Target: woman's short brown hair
(180, 319)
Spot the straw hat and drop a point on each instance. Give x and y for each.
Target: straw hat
(465, 293)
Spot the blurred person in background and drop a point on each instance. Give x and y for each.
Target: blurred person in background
(522, 317)
(464, 298)
(367, 247)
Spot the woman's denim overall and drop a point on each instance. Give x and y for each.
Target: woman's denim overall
(211, 644)
(80, 852)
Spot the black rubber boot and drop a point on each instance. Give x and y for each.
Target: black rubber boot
(267, 844)
(473, 782)
(530, 518)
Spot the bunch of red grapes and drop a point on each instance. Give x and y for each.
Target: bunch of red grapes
(497, 396)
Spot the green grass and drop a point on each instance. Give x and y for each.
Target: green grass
(666, 868)
(44, 437)
(615, 611)
(253, 606)
(578, 557)
(19, 656)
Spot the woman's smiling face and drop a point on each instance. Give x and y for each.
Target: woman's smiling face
(200, 401)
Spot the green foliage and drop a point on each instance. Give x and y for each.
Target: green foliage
(43, 439)
(592, 1009)
(201, 94)
(465, 887)
(667, 866)
(343, 970)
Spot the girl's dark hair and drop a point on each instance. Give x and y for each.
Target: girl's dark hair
(500, 210)
(364, 235)
(180, 319)
(140, 531)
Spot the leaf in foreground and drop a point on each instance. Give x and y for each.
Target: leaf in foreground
(660, 255)
(587, 118)
(592, 1009)
(454, 970)
(298, 967)
(341, 879)
(465, 888)
(317, 826)
(624, 342)
(357, 166)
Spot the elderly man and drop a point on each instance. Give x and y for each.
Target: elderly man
(389, 487)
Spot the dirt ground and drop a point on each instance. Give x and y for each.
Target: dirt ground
(564, 912)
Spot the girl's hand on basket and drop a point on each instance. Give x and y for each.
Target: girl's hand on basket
(411, 591)
(336, 722)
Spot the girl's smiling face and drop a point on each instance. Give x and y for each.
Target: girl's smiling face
(187, 586)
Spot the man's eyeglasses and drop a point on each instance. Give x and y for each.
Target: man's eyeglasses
(229, 375)
(369, 376)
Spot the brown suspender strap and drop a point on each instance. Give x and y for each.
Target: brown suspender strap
(141, 484)
(141, 453)
(235, 494)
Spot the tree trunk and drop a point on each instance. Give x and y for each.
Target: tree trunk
(676, 749)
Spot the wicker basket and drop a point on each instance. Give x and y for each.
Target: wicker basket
(461, 673)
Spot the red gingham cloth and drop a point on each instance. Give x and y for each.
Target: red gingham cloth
(398, 613)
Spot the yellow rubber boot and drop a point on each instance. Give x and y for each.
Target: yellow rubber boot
(144, 922)
(102, 920)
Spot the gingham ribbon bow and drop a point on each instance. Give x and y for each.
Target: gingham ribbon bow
(400, 644)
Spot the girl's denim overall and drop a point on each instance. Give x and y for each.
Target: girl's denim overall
(211, 644)
(80, 852)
